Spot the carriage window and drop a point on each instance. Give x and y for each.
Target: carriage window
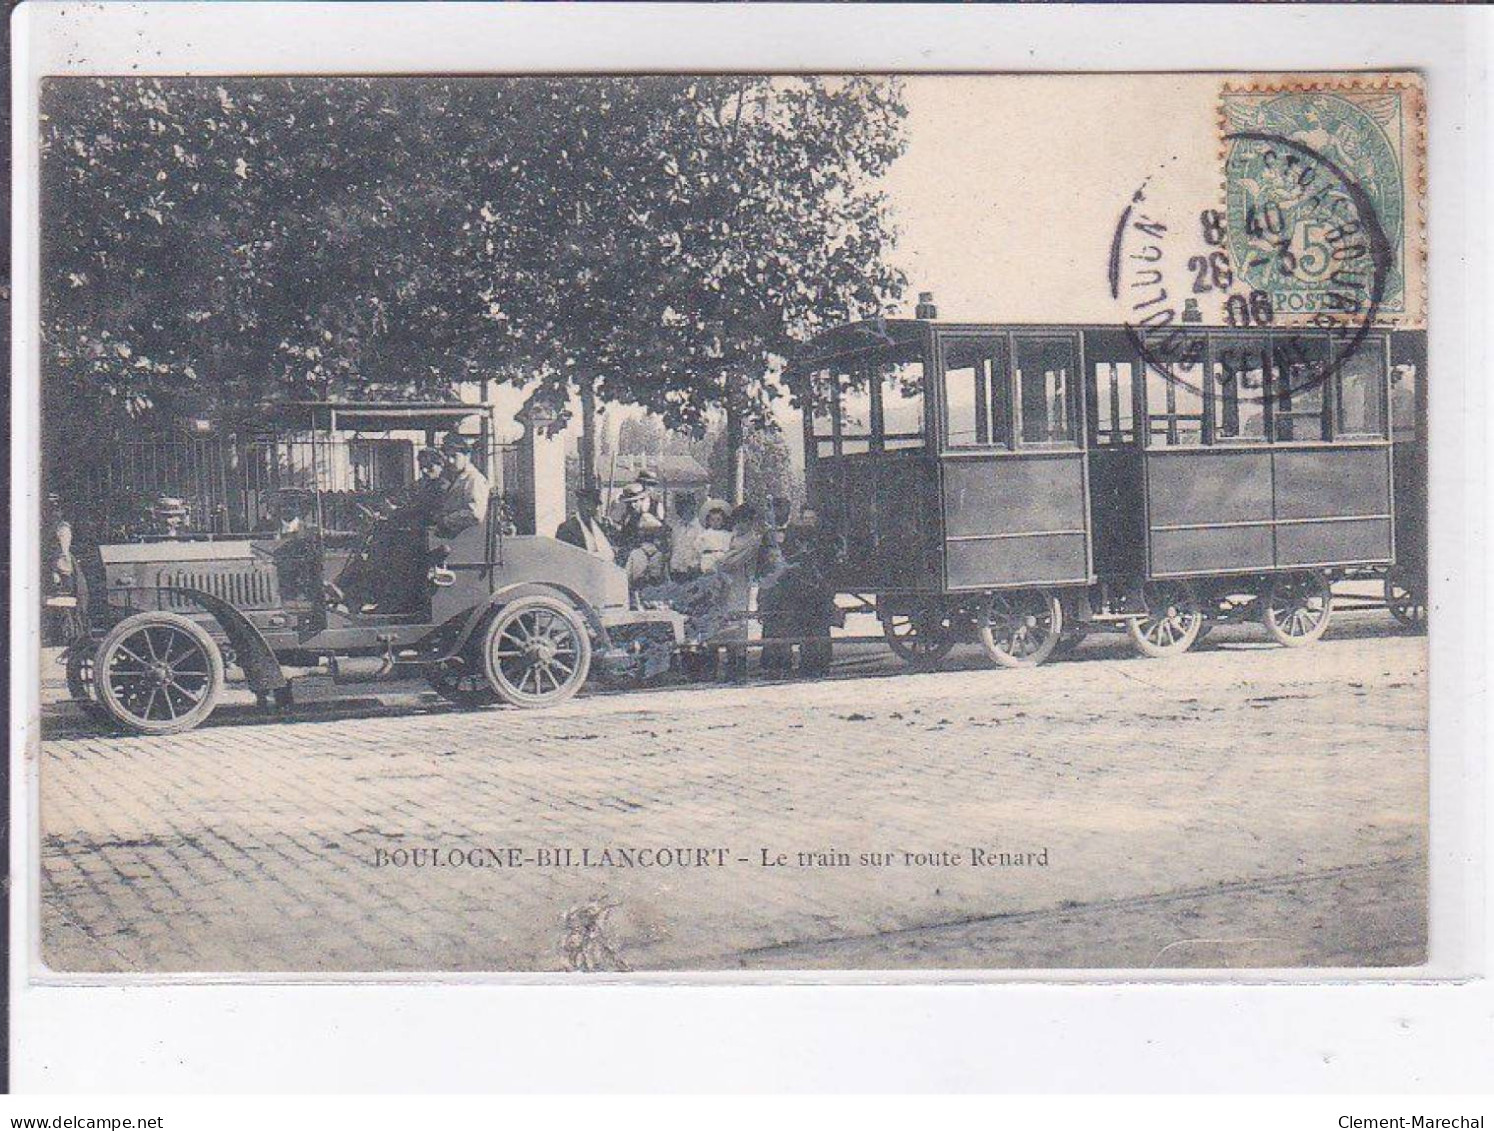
(853, 414)
(1174, 397)
(1113, 403)
(1361, 385)
(902, 407)
(1301, 363)
(1045, 383)
(822, 387)
(1239, 382)
(1403, 423)
(977, 393)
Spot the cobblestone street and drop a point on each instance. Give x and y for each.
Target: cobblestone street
(1245, 805)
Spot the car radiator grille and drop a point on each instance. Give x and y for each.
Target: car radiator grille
(241, 588)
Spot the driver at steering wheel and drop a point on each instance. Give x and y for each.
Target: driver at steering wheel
(388, 572)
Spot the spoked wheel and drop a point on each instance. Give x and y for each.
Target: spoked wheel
(1021, 629)
(80, 682)
(1405, 599)
(1297, 608)
(922, 636)
(536, 652)
(158, 673)
(1172, 622)
(459, 683)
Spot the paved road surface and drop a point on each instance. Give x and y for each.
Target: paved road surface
(1245, 805)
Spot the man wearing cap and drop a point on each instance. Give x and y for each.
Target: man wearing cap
(653, 502)
(584, 528)
(465, 502)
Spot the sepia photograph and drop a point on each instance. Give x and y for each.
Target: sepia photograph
(628, 524)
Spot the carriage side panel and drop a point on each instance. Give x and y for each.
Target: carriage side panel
(884, 510)
(1332, 505)
(1210, 510)
(1015, 520)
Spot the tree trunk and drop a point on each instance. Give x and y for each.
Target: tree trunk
(736, 455)
(589, 433)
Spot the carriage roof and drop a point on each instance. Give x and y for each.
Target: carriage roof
(371, 416)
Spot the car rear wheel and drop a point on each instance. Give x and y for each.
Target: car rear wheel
(158, 673)
(536, 652)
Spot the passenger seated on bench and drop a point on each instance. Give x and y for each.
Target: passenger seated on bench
(714, 540)
(465, 502)
(384, 568)
(647, 562)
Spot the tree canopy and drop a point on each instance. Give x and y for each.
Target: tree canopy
(221, 242)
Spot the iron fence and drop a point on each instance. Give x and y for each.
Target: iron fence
(228, 486)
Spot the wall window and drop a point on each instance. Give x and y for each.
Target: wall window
(1361, 390)
(868, 406)
(977, 392)
(1239, 388)
(1045, 389)
(1403, 422)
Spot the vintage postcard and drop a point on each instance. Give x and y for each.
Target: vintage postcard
(628, 524)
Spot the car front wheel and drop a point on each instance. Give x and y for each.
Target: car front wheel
(537, 652)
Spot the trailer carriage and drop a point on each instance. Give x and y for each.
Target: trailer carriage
(1020, 485)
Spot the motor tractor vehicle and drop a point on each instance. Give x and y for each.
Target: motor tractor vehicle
(518, 619)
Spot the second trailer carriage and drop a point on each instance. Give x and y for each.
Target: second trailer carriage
(1020, 485)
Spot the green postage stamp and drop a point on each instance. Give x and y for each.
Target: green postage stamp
(1323, 184)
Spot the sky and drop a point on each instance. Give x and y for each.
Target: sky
(1010, 189)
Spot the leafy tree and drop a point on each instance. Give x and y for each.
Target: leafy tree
(706, 224)
(657, 241)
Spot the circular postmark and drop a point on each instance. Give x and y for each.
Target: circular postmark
(1299, 249)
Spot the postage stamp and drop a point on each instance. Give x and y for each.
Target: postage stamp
(1317, 171)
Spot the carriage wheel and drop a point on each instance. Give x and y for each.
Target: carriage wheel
(80, 684)
(458, 683)
(922, 637)
(1021, 629)
(536, 652)
(1172, 623)
(1405, 599)
(158, 673)
(1297, 608)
